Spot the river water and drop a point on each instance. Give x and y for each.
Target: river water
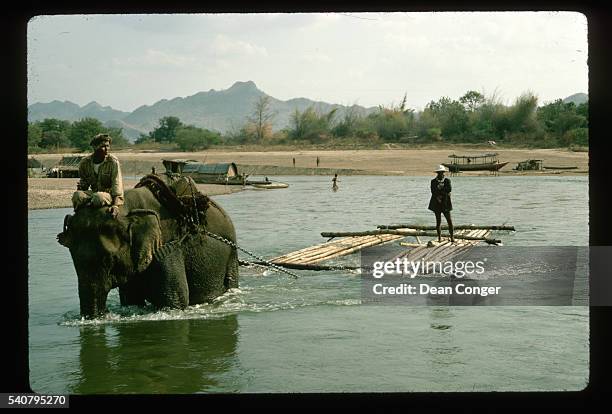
(312, 334)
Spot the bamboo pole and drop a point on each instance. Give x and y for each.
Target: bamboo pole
(404, 233)
(408, 244)
(314, 250)
(340, 245)
(454, 250)
(351, 249)
(317, 251)
(445, 227)
(307, 249)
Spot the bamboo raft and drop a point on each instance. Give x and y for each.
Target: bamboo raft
(333, 249)
(445, 250)
(466, 237)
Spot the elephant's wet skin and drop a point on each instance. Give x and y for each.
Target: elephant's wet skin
(146, 253)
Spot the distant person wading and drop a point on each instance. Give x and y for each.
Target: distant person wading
(335, 182)
(440, 202)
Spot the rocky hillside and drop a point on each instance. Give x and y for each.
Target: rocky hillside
(216, 110)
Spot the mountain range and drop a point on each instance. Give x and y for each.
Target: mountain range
(577, 98)
(222, 111)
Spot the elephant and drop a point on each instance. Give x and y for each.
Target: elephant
(151, 252)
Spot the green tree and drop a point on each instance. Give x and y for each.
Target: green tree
(451, 115)
(310, 125)
(522, 114)
(83, 130)
(576, 136)
(54, 133)
(35, 133)
(392, 123)
(472, 100)
(583, 109)
(347, 126)
(143, 138)
(166, 131)
(428, 126)
(558, 118)
(191, 138)
(119, 140)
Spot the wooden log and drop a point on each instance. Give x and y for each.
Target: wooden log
(404, 233)
(444, 227)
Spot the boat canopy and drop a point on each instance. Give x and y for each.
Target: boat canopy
(229, 169)
(492, 155)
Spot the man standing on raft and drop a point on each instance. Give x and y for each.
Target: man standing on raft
(440, 202)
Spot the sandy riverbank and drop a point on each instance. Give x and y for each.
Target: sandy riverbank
(393, 162)
(57, 192)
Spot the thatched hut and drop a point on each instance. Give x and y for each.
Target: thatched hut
(68, 167)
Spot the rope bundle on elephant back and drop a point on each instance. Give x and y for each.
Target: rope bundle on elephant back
(201, 205)
(190, 209)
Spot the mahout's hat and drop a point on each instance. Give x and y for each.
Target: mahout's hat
(441, 168)
(99, 139)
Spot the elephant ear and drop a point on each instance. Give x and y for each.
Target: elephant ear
(145, 239)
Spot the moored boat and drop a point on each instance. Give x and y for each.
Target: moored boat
(485, 162)
(269, 185)
(201, 173)
(475, 167)
(550, 167)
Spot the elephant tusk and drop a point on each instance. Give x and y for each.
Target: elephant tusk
(67, 219)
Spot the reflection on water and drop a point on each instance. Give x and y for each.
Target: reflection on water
(443, 351)
(180, 356)
(277, 334)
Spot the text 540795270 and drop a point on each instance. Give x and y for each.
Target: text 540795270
(33, 400)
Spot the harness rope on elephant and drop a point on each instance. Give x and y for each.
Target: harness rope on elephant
(188, 208)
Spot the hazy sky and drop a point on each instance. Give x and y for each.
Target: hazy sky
(126, 61)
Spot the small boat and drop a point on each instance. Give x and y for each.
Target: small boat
(475, 167)
(546, 167)
(201, 173)
(268, 185)
(474, 163)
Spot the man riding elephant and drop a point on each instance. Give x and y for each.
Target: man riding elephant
(170, 246)
(101, 172)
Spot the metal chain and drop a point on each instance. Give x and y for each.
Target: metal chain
(194, 223)
(234, 245)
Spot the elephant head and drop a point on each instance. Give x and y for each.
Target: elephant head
(107, 252)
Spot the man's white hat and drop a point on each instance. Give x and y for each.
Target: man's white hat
(441, 168)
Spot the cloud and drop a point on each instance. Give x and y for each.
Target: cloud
(154, 58)
(224, 45)
(316, 59)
